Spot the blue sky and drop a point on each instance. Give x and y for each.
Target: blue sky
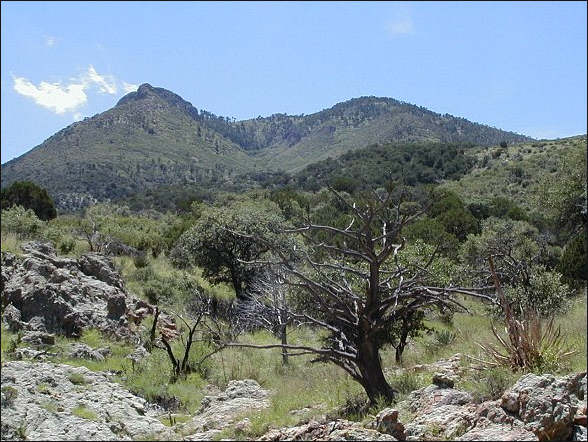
(516, 66)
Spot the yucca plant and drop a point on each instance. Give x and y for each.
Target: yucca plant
(531, 344)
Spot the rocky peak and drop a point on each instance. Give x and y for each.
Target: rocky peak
(148, 93)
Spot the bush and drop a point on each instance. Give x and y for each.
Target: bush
(21, 221)
(29, 196)
(141, 261)
(66, 245)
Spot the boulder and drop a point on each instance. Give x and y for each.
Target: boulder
(579, 433)
(444, 379)
(11, 317)
(50, 293)
(387, 422)
(219, 411)
(39, 338)
(546, 404)
(100, 267)
(493, 432)
(83, 351)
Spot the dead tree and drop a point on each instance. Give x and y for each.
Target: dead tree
(201, 328)
(359, 287)
(267, 306)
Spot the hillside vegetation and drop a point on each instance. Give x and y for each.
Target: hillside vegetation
(154, 138)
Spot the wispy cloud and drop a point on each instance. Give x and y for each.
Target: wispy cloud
(401, 25)
(128, 87)
(50, 40)
(62, 97)
(107, 84)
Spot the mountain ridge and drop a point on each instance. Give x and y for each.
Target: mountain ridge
(154, 137)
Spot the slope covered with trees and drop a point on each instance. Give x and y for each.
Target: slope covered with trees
(154, 138)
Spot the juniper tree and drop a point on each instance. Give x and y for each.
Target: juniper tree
(355, 285)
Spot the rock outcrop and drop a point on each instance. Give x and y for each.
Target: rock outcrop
(220, 411)
(337, 430)
(46, 401)
(49, 293)
(534, 408)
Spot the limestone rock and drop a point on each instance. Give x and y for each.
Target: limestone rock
(387, 422)
(46, 405)
(50, 293)
(39, 338)
(337, 430)
(83, 351)
(579, 433)
(101, 268)
(492, 432)
(546, 404)
(220, 411)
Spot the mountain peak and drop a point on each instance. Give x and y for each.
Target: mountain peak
(148, 92)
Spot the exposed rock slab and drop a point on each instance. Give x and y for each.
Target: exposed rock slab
(339, 429)
(219, 411)
(40, 402)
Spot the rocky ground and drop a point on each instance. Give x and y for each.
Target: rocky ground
(48, 295)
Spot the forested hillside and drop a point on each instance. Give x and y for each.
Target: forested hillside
(154, 138)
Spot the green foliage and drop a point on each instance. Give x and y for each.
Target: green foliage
(84, 412)
(9, 395)
(489, 384)
(431, 231)
(376, 165)
(520, 259)
(77, 379)
(573, 264)
(29, 196)
(224, 240)
(23, 222)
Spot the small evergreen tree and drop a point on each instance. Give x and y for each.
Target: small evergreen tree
(29, 196)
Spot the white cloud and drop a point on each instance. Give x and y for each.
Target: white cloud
(61, 98)
(77, 116)
(102, 81)
(128, 87)
(401, 26)
(50, 40)
(53, 96)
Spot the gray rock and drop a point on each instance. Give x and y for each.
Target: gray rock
(580, 433)
(84, 351)
(39, 338)
(444, 379)
(493, 432)
(61, 295)
(11, 317)
(30, 353)
(47, 406)
(546, 404)
(220, 411)
(138, 354)
(101, 268)
(337, 430)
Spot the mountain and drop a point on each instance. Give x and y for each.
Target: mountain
(153, 137)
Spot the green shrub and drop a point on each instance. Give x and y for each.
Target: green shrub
(66, 245)
(77, 379)
(141, 261)
(21, 221)
(29, 196)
